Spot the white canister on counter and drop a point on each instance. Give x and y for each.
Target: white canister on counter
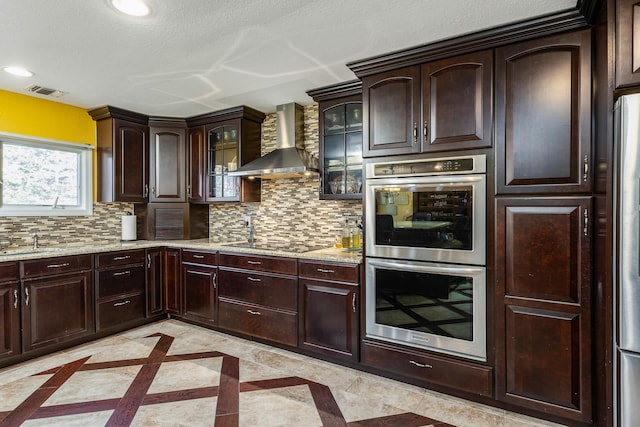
(129, 231)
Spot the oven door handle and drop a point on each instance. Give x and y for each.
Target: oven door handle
(423, 267)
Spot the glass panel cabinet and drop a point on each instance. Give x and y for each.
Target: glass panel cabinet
(223, 158)
(340, 126)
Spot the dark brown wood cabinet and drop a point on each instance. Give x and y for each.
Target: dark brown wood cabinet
(155, 294)
(57, 301)
(258, 297)
(167, 160)
(120, 289)
(329, 309)
(122, 155)
(543, 115)
(627, 43)
(228, 139)
(199, 284)
(172, 221)
(543, 307)
(9, 310)
(172, 283)
(442, 105)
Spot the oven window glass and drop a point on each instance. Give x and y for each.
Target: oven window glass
(425, 302)
(438, 216)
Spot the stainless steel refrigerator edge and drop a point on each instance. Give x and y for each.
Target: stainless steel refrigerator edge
(627, 305)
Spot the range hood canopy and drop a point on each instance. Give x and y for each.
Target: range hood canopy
(289, 159)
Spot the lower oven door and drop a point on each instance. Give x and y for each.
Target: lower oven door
(426, 305)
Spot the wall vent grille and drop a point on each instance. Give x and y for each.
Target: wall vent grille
(41, 90)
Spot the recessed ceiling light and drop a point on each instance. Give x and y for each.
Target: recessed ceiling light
(18, 71)
(132, 7)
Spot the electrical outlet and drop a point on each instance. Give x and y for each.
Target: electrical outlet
(247, 220)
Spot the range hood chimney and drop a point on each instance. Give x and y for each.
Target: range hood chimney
(289, 159)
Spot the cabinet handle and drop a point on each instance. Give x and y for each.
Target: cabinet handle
(323, 270)
(15, 298)
(586, 222)
(64, 264)
(214, 280)
(254, 262)
(198, 256)
(353, 302)
(586, 168)
(189, 190)
(420, 365)
(148, 260)
(120, 258)
(146, 191)
(118, 304)
(253, 279)
(121, 273)
(153, 191)
(415, 133)
(26, 297)
(253, 313)
(425, 131)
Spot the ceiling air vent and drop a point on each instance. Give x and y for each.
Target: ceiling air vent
(41, 90)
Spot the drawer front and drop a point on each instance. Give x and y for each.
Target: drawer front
(114, 259)
(8, 271)
(261, 263)
(120, 311)
(120, 281)
(259, 288)
(460, 375)
(198, 257)
(57, 265)
(330, 271)
(261, 322)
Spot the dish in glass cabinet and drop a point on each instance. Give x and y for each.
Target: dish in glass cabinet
(340, 185)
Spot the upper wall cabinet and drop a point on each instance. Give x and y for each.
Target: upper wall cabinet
(123, 155)
(167, 160)
(627, 43)
(220, 143)
(443, 105)
(543, 115)
(340, 136)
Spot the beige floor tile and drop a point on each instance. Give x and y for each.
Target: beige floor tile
(197, 412)
(185, 375)
(13, 393)
(79, 420)
(288, 406)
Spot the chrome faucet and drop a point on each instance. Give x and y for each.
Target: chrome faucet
(252, 234)
(35, 241)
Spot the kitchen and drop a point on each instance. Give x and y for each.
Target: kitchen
(579, 311)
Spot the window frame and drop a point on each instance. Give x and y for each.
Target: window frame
(85, 177)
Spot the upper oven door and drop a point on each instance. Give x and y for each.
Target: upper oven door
(435, 218)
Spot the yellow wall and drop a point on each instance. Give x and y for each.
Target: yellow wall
(30, 116)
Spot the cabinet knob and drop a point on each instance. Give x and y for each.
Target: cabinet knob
(415, 133)
(146, 191)
(425, 131)
(26, 297)
(15, 298)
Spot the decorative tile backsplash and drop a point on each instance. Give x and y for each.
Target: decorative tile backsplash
(290, 210)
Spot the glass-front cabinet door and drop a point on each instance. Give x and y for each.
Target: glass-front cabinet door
(223, 149)
(341, 151)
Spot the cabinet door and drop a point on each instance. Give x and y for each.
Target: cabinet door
(56, 309)
(223, 149)
(155, 296)
(9, 320)
(131, 161)
(391, 103)
(167, 165)
(328, 316)
(200, 297)
(543, 115)
(172, 281)
(627, 43)
(543, 324)
(196, 162)
(456, 96)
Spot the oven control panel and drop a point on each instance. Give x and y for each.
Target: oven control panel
(453, 165)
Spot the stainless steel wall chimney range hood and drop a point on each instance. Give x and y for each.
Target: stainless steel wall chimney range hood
(289, 159)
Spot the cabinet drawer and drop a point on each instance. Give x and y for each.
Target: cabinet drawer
(113, 259)
(257, 321)
(120, 281)
(8, 271)
(329, 271)
(57, 265)
(260, 263)
(259, 288)
(120, 311)
(206, 258)
(474, 379)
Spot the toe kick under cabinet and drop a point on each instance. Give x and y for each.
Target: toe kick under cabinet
(120, 289)
(258, 297)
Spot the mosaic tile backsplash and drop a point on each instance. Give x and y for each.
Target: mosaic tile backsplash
(290, 210)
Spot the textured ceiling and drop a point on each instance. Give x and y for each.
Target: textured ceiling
(194, 56)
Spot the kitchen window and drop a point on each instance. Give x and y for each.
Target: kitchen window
(40, 177)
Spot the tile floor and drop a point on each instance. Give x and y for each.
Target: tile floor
(175, 374)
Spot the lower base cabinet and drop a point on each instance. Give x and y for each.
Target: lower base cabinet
(199, 284)
(155, 294)
(9, 310)
(171, 281)
(259, 321)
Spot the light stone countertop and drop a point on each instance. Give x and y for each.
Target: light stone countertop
(25, 253)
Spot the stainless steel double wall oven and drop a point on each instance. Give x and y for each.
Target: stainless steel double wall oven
(425, 253)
